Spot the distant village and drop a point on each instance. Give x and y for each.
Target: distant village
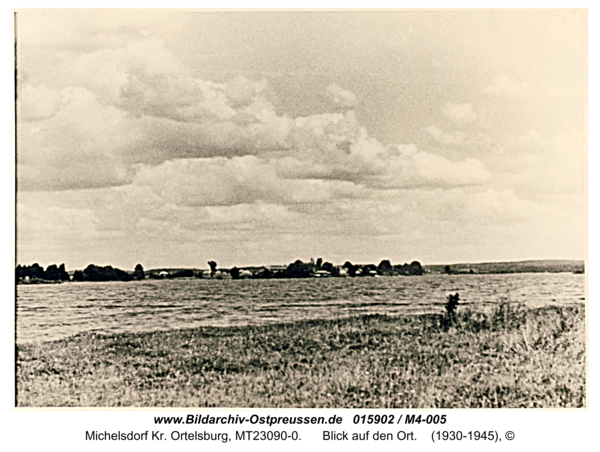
(53, 274)
(35, 274)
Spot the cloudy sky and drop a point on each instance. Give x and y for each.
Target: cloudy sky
(174, 138)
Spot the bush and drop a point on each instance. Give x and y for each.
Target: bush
(451, 305)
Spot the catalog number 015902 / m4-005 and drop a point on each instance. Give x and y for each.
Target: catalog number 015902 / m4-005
(393, 419)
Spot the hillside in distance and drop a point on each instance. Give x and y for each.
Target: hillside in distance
(532, 266)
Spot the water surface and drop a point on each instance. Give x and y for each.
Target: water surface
(54, 311)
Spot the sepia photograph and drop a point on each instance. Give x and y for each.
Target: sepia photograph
(301, 208)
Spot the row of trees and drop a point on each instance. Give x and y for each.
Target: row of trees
(91, 273)
(297, 269)
(35, 271)
(412, 269)
(95, 273)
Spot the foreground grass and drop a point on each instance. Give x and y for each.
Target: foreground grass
(513, 358)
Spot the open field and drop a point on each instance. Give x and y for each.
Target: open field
(532, 266)
(513, 357)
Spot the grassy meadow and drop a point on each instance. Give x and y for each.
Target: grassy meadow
(513, 357)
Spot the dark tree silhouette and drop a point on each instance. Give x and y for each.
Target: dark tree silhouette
(451, 306)
(94, 273)
(64, 276)
(138, 273)
(35, 271)
(52, 273)
(213, 267)
(385, 267)
(415, 268)
(297, 270)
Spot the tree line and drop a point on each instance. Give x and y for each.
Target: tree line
(36, 273)
(298, 269)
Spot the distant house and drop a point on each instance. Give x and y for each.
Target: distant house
(163, 274)
(321, 274)
(245, 274)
